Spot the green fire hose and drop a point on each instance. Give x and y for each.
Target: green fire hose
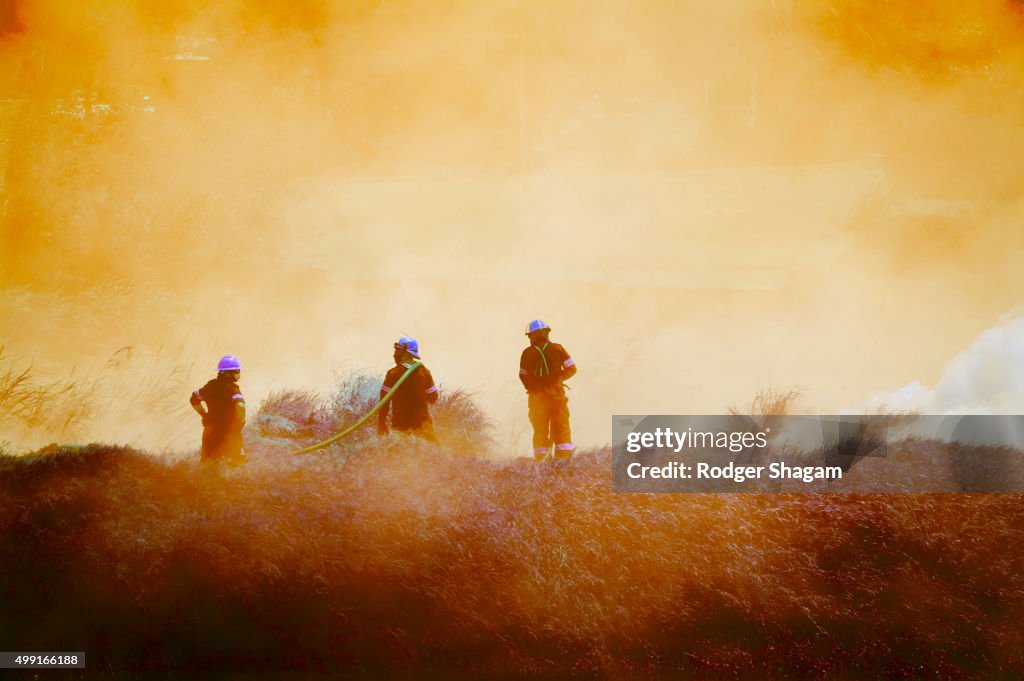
(331, 440)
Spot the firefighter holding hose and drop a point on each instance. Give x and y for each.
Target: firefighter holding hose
(410, 404)
(543, 368)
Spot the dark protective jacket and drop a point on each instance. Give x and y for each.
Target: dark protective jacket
(220, 395)
(409, 406)
(544, 366)
(222, 427)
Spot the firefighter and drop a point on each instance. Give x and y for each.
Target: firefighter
(224, 415)
(409, 406)
(543, 368)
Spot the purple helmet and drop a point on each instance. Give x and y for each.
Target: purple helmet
(410, 345)
(229, 363)
(536, 325)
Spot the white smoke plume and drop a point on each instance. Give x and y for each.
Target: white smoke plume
(986, 378)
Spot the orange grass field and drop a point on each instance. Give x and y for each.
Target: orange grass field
(400, 561)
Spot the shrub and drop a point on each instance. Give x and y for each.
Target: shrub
(304, 418)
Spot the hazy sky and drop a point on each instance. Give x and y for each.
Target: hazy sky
(703, 199)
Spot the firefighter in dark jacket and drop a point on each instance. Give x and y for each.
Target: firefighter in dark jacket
(224, 415)
(409, 405)
(542, 368)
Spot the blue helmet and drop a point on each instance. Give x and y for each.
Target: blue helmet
(536, 325)
(410, 345)
(229, 363)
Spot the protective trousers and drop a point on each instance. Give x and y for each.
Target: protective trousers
(424, 430)
(222, 444)
(549, 416)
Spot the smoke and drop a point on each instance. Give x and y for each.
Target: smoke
(703, 199)
(986, 378)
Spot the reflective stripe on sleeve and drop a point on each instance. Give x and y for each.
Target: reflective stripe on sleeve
(568, 363)
(385, 388)
(432, 389)
(522, 372)
(195, 394)
(238, 396)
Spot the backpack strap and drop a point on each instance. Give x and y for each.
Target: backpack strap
(542, 369)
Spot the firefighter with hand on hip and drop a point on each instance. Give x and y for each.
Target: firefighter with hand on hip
(543, 367)
(224, 415)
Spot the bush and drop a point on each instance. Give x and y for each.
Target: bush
(462, 426)
(297, 419)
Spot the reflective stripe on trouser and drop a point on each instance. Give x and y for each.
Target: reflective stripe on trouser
(549, 416)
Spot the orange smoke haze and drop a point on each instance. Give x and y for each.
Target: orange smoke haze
(703, 199)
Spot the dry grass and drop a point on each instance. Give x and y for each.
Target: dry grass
(55, 405)
(402, 561)
(125, 388)
(397, 558)
(767, 411)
